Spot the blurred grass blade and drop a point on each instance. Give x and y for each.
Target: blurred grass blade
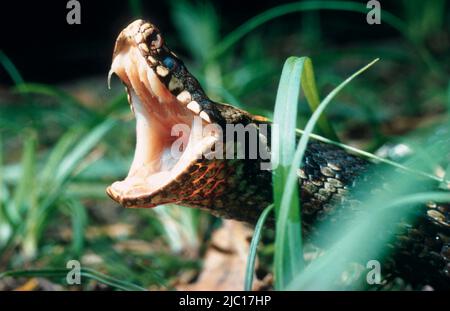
(424, 197)
(2, 198)
(312, 96)
(24, 189)
(69, 163)
(65, 171)
(448, 97)
(323, 272)
(5, 221)
(198, 26)
(57, 154)
(251, 258)
(110, 281)
(116, 104)
(300, 6)
(180, 227)
(85, 272)
(446, 180)
(136, 8)
(236, 35)
(10, 68)
(424, 18)
(79, 222)
(65, 98)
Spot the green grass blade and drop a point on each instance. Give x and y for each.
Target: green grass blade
(291, 183)
(2, 199)
(79, 223)
(251, 258)
(23, 191)
(317, 113)
(288, 241)
(10, 68)
(135, 8)
(198, 26)
(448, 97)
(294, 7)
(66, 169)
(323, 272)
(56, 156)
(424, 197)
(372, 156)
(35, 273)
(312, 97)
(70, 162)
(110, 281)
(116, 104)
(85, 272)
(5, 222)
(65, 98)
(446, 180)
(179, 226)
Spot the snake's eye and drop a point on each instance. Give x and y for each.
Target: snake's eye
(170, 63)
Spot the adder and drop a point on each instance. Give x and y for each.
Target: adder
(163, 93)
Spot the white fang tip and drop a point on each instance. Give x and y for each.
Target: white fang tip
(110, 73)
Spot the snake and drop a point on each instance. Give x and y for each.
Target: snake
(170, 105)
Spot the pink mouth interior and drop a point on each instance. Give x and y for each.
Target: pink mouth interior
(157, 111)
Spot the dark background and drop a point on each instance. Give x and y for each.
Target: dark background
(44, 48)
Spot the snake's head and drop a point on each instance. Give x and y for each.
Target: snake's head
(167, 101)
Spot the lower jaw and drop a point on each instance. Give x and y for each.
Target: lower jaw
(146, 186)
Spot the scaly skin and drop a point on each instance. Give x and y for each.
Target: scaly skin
(240, 190)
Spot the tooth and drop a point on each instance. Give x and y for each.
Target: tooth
(144, 47)
(194, 107)
(128, 95)
(110, 73)
(161, 71)
(151, 59)
(158, 88)
(205, 116)
(129, 98)
(184, 97)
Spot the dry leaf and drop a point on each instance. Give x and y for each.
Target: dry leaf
(225, 260)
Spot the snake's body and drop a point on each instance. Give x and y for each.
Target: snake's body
(239, 188)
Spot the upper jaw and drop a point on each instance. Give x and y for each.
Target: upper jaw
(140, 33)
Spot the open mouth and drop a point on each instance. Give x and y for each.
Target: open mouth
(163, 109)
